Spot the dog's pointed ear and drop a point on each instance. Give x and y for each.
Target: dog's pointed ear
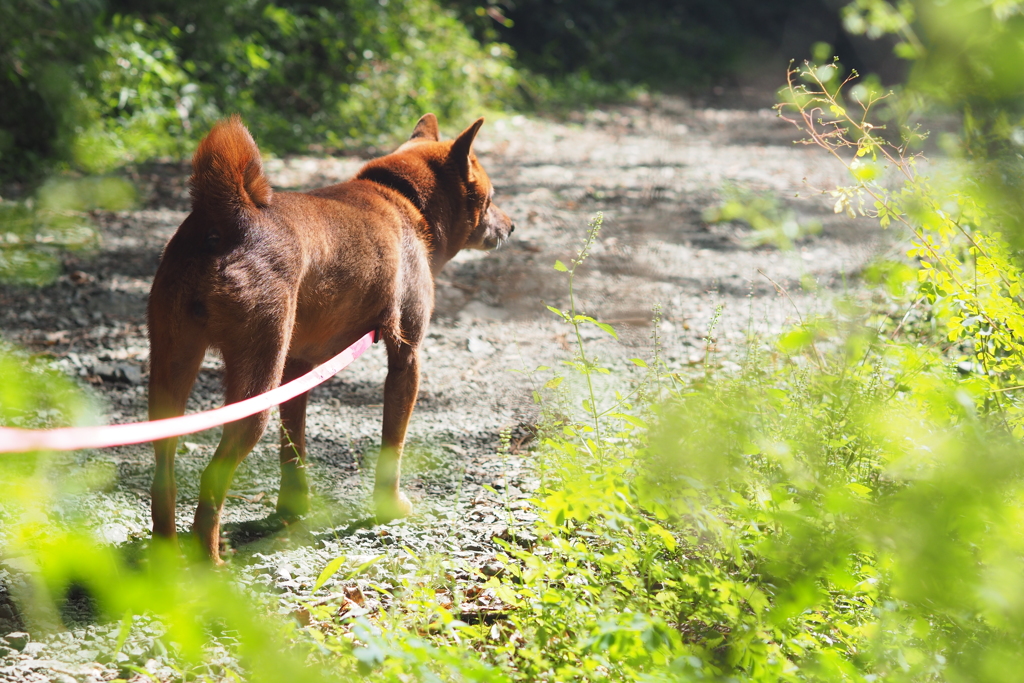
(463, 144)
(426, 129)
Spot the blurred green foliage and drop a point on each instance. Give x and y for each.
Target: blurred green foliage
(95, 84)
(91, 85)
(770, 223)
(670, 44)
(35, 233)
(966, 60)
(33, 395)
(840, 510)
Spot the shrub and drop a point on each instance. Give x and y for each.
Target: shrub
(93, 86)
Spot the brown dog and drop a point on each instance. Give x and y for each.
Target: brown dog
(281, 282)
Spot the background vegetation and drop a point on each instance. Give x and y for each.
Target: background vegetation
(847, 507)
(92, 85)
(662, 43)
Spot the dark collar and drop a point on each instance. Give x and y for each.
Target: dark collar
(400, 184)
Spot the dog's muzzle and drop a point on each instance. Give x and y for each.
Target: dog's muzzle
(493, 230)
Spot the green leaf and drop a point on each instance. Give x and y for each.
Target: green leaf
(758, 601)
(865, 171)
(256, 60)
(560, 267)
(607, 328)
(330, 570)
(363, 567)
(662, 533)
(124, 630)
(859, 490)
(795, 339)
(639, 362)
(631, 419)
(553, 382)
(562, 314)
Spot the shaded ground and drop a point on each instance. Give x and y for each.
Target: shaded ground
(651, 170)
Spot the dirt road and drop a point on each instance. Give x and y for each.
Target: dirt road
(652, 170)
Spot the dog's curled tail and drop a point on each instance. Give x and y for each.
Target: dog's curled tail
(227, 172)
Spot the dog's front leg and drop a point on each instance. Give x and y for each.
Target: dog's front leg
(400, 390)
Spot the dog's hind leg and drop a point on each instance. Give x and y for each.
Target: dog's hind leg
(176, 352)
(400, 389)
(293, 498)
(250, 370)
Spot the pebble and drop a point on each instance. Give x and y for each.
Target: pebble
(18, 640)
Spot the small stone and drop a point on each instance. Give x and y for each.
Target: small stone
(131, 373)
(18, 640)
(493, 569)
(354, 594)
(105, 370)
(477, 310)
(480, 347)
(80, 277)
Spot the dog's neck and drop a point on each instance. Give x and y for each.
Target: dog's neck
(397, 182)
(438, 216)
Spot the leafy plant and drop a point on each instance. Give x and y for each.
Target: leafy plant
(93, 85)
(770, 223)
(967, 273)
(35, 233)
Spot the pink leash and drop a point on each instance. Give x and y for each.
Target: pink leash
(73, 438)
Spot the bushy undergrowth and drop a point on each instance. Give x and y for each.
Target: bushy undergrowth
(845, 507)
(93, 85)
(662, 44)
(35, 234)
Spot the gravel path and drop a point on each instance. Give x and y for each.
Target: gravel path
(651, 170)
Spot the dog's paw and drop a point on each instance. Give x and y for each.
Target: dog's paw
(391, 505)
